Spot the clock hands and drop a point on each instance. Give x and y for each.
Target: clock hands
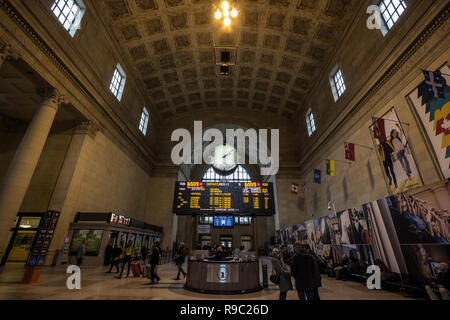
(227, 154)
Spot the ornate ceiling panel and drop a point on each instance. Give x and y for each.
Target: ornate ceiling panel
(281, 47)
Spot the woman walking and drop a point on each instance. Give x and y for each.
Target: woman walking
(282, 273)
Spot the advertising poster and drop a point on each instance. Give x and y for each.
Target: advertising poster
(77, 239)
(93, 242)
(395, 153)
(434, 117)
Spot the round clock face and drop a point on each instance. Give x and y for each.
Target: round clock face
(224, 158)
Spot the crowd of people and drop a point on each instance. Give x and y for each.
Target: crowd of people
(146, 260)
(303, 266)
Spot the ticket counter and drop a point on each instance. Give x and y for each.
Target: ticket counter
(223, 277)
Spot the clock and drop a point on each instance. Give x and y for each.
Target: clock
(224, 158)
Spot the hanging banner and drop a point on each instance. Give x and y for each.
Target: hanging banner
(350, 151)
(317, 176)
(396, 156)
(433, 113)
(331, 168)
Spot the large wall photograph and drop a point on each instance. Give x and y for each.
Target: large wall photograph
(395, 153)
(406, 233)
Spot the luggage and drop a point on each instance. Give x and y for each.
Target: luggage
(136, 268)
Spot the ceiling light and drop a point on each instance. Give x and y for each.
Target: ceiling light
(225, 6)
(234, 13)
(227, 21)
(218, 14)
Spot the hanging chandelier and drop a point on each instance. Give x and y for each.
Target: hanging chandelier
(226, 13)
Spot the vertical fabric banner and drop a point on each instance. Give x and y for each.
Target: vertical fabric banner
(350, 151)
(317, 176)
(331, 168)
(434, 117)
(379, 131)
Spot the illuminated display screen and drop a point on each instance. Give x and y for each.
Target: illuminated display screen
(228, 198)
(223, 222)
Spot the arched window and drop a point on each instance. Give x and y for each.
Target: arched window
(239, 175)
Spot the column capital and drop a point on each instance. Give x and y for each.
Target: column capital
(88, 127)
(51, 97)
(6, 52)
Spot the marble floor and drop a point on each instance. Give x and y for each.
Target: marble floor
(97, 285)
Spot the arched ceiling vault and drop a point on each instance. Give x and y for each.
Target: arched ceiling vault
(282, 46)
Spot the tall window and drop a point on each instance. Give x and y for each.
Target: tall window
(391, 10)
(69, 14)
(118, 82)
(143, 125)
(337, 83)
(310, 122)
(239, 175)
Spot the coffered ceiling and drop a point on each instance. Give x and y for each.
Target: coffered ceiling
(282, 47)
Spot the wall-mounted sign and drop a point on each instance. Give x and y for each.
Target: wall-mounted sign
(43, 239)
(117, 219)
(203, 229)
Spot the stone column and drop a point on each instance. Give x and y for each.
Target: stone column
(65, 195)
(17, 179)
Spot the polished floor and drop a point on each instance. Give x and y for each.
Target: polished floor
(97, 285)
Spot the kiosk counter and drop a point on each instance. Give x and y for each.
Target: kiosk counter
(223, 277)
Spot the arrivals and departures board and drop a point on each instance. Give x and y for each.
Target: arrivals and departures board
(231, 198)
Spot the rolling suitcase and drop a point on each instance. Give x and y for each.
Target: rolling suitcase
(136, 268)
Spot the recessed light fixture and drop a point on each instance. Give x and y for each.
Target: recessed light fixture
(224, 12)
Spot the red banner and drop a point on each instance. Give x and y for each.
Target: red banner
(379, 131)
(350, 151)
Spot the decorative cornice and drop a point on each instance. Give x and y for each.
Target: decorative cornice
(420, 40)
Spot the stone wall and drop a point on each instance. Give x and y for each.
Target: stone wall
(364, 56)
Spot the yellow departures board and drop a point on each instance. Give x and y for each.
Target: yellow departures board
(239, 198)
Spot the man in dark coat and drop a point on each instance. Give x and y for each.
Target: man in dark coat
(179, 260)
(154, 261)
(303, 270)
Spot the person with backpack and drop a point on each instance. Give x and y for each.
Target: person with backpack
(281, 275)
